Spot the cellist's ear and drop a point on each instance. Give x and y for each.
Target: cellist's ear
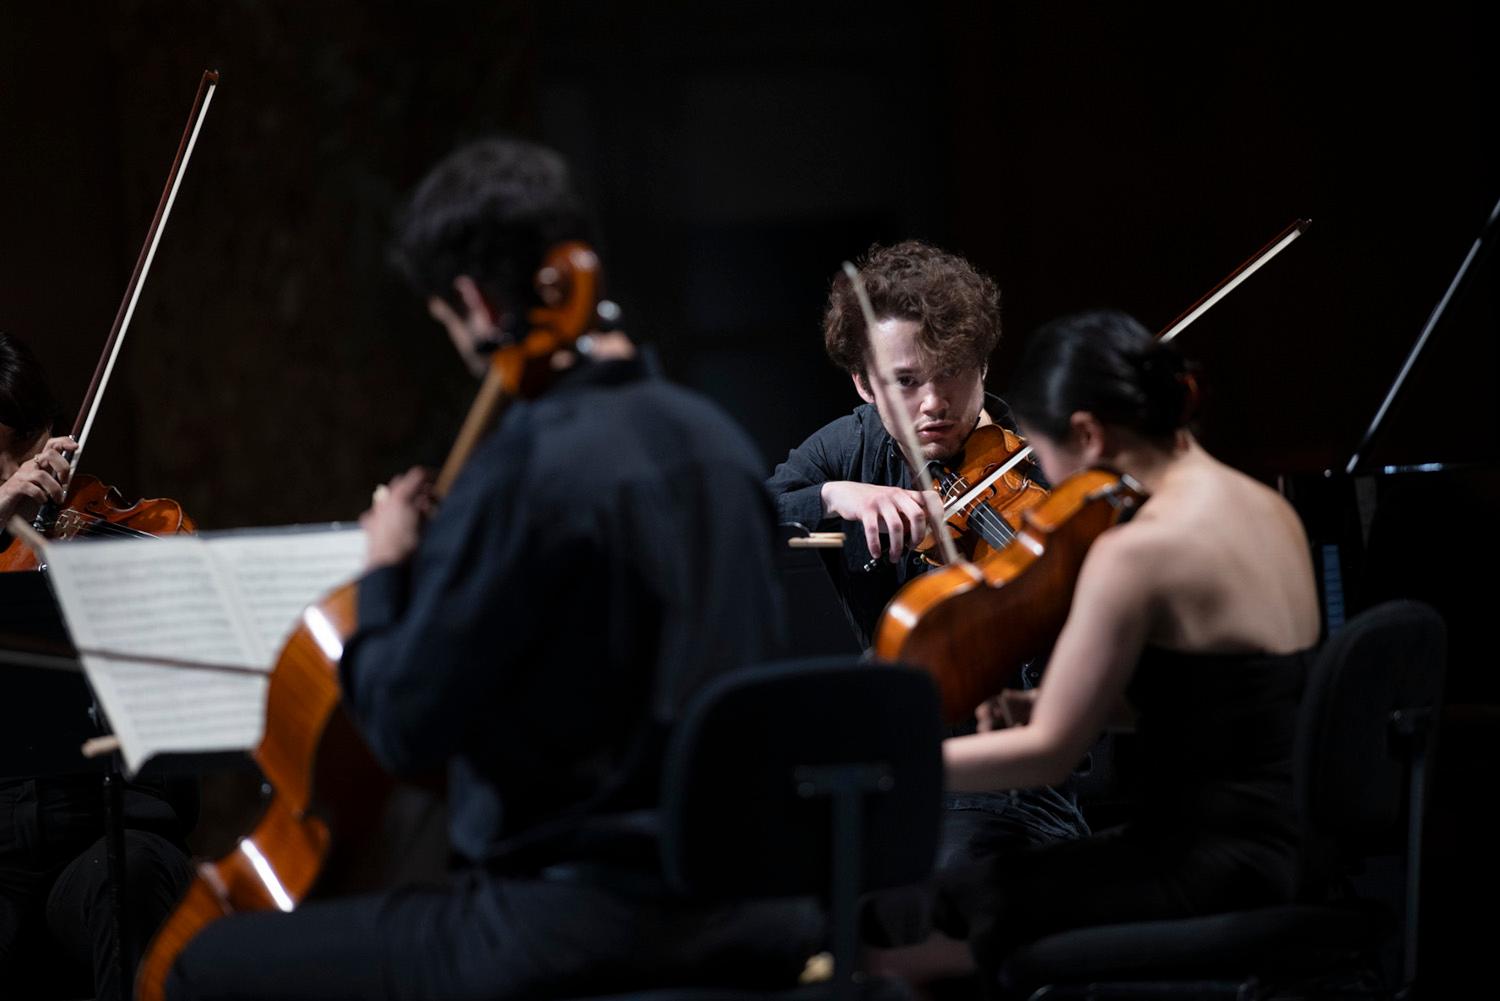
(862, 387)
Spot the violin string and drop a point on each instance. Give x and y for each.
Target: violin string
(990, 526)
(100, 527)
(988, 515)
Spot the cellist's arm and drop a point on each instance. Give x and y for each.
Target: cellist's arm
(409, 673)
(1091, 664)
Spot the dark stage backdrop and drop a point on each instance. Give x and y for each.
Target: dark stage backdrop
(734, 154)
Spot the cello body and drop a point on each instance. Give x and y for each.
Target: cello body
(325, 780)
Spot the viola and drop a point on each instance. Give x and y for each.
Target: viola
(974, 625)
(327, 790)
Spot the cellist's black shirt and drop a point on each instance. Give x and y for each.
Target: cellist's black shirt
(606, 550)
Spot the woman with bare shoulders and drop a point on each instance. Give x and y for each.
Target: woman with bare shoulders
(1197, 616)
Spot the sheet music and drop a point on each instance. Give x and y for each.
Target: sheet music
(229, 600)
(274, 588)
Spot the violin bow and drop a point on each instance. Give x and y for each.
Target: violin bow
(1233, 281)
(90, 408)
(884, 378)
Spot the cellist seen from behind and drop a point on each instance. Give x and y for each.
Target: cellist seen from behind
(606, 549)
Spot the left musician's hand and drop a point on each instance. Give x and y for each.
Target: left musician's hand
(393, 525)
(1012, 707)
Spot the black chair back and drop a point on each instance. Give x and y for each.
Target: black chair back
(1352, 773)
(753, 773)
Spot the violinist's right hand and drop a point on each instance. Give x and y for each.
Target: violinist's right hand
(898, 513)
(41, 477)
(393, 525)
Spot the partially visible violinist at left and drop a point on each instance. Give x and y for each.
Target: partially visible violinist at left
(33, 464)
(54, 899)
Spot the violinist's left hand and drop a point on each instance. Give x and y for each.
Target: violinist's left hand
(393, 525)
(1012, 707)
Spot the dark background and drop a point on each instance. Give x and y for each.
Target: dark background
(734, 153)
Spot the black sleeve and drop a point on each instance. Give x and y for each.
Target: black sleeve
(430, 647)
(797, 484)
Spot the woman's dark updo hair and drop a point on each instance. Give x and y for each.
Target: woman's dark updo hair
(1106, 363)
(27, 407)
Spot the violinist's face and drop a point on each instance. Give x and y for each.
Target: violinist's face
(944, 406)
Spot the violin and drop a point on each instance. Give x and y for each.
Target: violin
(317, 832)
(973, 625)
(984, 519)
(90, 508)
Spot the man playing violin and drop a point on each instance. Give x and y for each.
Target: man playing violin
(938, 320)
(535, 636)
(55, 921)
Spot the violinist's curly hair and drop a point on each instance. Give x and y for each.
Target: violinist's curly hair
(957, 308)
(489, 210)
(27, 406)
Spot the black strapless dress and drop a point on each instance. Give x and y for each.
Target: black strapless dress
(1216, 829)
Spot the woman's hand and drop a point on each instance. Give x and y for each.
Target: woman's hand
(1012, 707)
(40, 478)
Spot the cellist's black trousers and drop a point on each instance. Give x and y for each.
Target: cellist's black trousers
(489, 938)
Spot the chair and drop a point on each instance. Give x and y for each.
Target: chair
(841, 762)
(1364, 735)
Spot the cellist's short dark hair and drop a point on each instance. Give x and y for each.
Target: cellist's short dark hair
(489, 210)
(27, 407)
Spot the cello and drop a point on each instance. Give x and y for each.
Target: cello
(974, 624)
(317, 829)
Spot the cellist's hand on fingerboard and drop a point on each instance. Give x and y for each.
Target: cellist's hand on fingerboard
(398, 512)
